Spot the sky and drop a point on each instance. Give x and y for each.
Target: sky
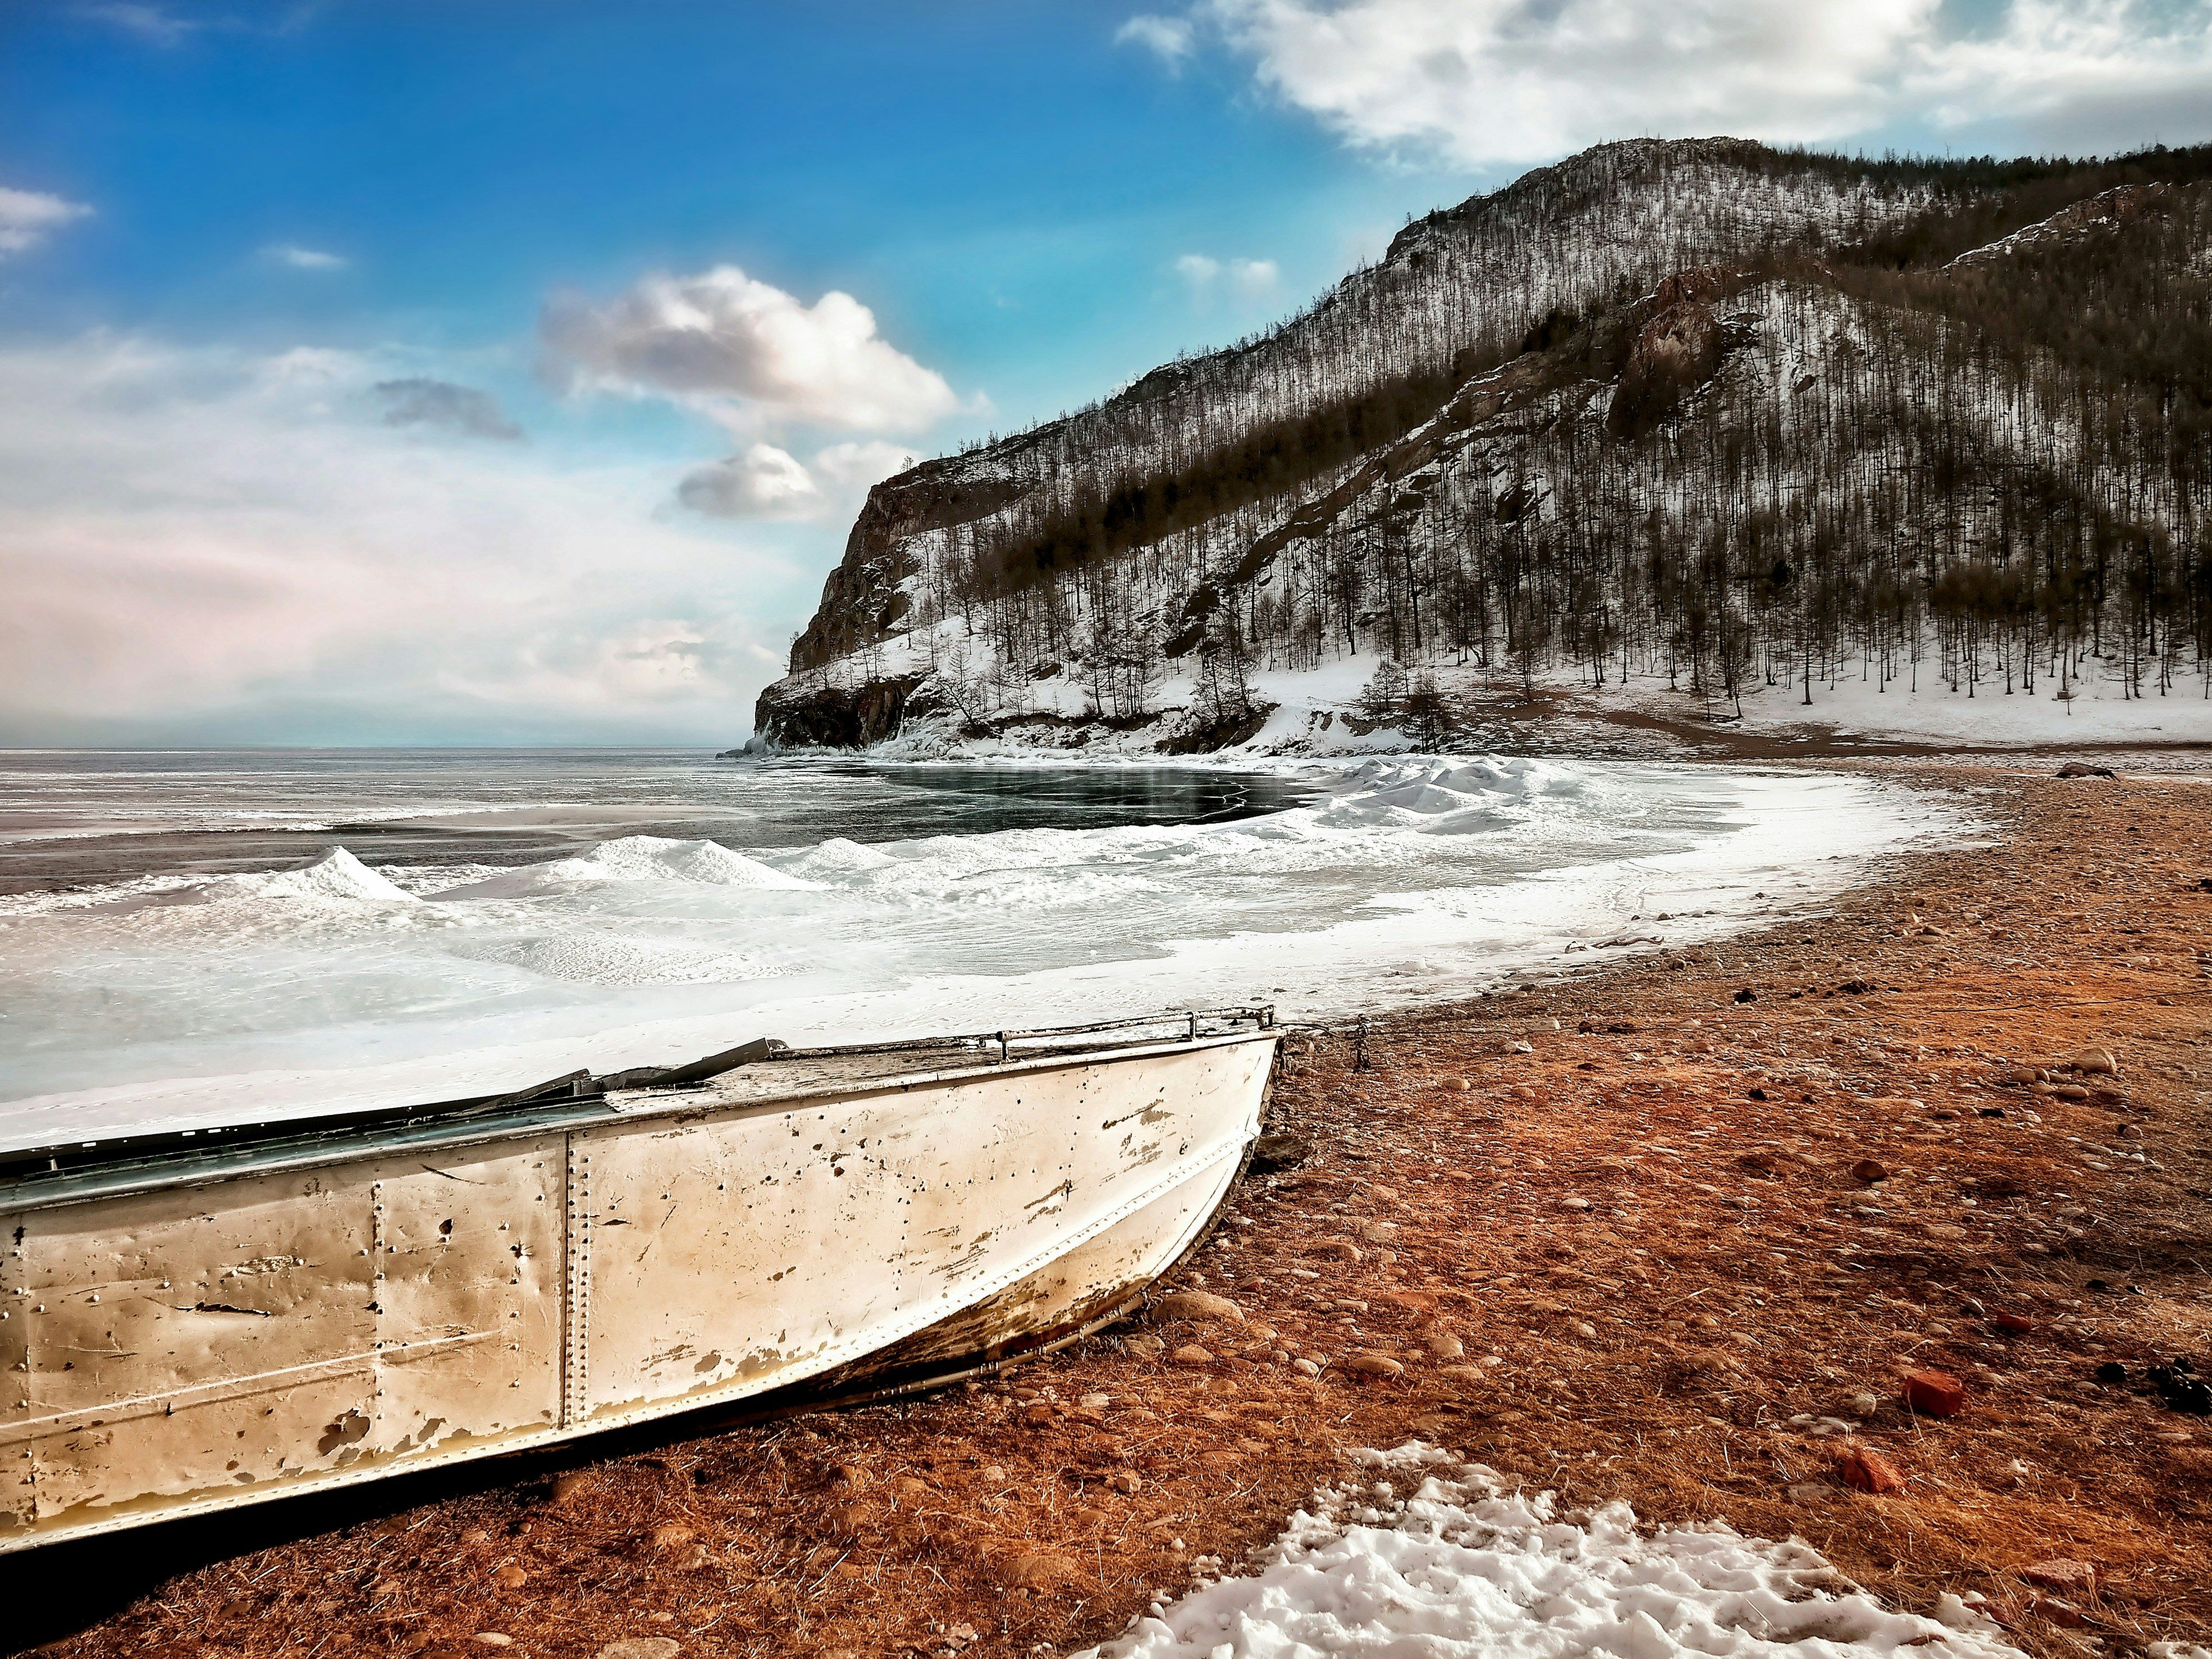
(510, 371)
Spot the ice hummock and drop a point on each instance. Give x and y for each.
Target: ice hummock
(632, 858)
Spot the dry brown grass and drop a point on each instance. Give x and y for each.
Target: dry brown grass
(1722, 1280)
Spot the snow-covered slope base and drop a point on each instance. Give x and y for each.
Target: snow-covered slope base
(1422, 1555)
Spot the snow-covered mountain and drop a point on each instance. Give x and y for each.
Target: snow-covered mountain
(1697, 414)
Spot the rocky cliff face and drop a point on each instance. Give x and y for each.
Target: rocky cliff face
(1721, 358)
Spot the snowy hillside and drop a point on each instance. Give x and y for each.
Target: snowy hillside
(1695, 424)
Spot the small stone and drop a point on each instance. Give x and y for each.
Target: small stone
(476, 1535)
(1869, 1170)
(695, 1559)
(1095, 1402)
(1037, 1413)
(2062, 1573)
(1582, 1329)
(1197, 1305)
(510, 1577)
(992, 1475)
(1125, 1481)
(1191, 1354)
(1934, 1393)
(1305, 1368)
(1864, 1405)
(846, 1520)
(2013, 1324)
(1869, 1471)
(1811, 1491)
(642, 1647)
(1221, 1385)
(849, 1475)
(1340, 1249)
(672, 1534)
(1144, 1343)
(568, 1487)
(2095, 1063)
(1278, 1150)
(1372, 1365)
(1442, 1346)
(1574, 1204)
(492, 1638)
(907, 1486)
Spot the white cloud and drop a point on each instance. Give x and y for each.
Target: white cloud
(28, 218)
(303, 258)
(851, 468)
(1247, 281)
(742, 352)
(198, 543)
(419, 400)
(762, 482)
(1484, 82)
(1171, 38)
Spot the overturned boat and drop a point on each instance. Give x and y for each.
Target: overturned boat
(198, 1321)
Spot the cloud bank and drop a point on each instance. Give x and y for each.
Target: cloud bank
(1483, 84)
(204, 543)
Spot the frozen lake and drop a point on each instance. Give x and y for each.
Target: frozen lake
(188, 940)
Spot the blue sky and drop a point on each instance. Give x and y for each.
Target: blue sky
(337, 399)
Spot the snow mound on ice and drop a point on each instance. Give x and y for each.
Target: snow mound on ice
(1460, 1569)
(1453, 796)
(635, 858)
(836, 859)
(336, 879)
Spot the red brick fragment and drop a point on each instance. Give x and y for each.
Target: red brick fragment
(1935, 1393)
(1869, 1471)
(2015, 1324)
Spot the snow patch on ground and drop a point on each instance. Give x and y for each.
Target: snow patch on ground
(1419, 1554)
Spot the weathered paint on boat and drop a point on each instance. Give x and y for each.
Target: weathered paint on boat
(185, 1334)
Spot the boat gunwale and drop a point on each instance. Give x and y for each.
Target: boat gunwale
(188, 1168)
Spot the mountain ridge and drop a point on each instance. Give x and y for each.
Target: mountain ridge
(1131, 541)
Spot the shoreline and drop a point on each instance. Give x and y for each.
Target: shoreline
(1388, 883)
(1646, 1217)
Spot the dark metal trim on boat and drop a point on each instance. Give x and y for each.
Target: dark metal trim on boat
(78, 1172)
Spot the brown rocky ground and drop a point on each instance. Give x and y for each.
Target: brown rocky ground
(1618, 1237)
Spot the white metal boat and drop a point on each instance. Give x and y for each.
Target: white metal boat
(199, 1320)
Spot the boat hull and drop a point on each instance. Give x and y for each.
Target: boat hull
(174, 1348)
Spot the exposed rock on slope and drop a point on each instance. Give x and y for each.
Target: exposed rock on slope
(1694, 411)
